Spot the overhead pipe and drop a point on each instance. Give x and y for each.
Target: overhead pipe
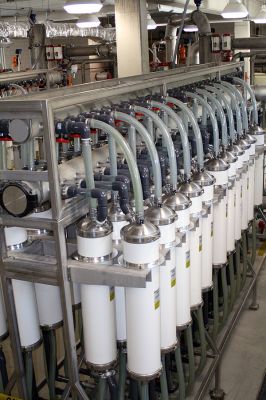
(168, 141)
(201, 21)
(180, 33)
(205, 92)
(170, 35)
(211, 113)
(151, 148)
(195, 127)
(249, 43)
(101, 50)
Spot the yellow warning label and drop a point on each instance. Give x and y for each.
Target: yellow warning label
(200, 243)
(7, 397)
(262, 249)
(157, 299)
(173, 277)
(112, 295)
(187, 259)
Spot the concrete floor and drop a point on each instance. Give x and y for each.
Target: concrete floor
(244, 361)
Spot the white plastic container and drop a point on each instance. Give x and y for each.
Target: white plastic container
(98, 309)
(24, 297)
(143, 313)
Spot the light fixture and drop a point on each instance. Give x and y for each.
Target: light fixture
(83, 6)
(261, 16)
(151, 24)
(91, 21)
(235, 9)
(191, 28)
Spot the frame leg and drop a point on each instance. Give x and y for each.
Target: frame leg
(217, 393)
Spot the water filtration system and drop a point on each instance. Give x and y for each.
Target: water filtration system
(126, 210)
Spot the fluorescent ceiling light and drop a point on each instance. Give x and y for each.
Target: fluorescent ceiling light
(151, 24)
(261, 16)
(83, 6)
(235, 9)
(173, 9)
(191, 28)
(91, 21)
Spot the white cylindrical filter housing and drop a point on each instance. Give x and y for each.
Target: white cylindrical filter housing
(238, 206)
(76, 294)
(231, 214)
(143, 328)
(3, 324)
(24, 297)
(27, 314)
(244, 197)
(120, 298)
(183, 314)
(98, 305)
(251, 188)
(49, 305)
(143, 304)
(207, 237)
(48, 296)
(168, 288)
(258, 191)
(195, 263)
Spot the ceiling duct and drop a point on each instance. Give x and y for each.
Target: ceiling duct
(14, 30)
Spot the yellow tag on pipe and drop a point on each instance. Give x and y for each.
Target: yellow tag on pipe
(7, 397)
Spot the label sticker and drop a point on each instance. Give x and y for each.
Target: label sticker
(226, 212)
(247, 183)
(188, 259)
(157, 299)
(7, 397)
(241, 195)
(200, 243)
(173, 277)
(211, 229)
(112, 293)
(235, 200)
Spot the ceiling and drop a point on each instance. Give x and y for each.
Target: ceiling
(54, 8)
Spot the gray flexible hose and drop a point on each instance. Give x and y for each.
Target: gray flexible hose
(133, 168)
(220, 111)
(222, 98)
(183, 134)
(87, 158)
(241, 102)
(151, 149)
(195, 127)
(211, 113)
(168, 141)
(255, 115)
(235, 107)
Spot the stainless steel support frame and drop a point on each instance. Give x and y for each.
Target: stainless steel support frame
(60, 269)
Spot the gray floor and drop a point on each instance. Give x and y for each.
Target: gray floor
(244, 361)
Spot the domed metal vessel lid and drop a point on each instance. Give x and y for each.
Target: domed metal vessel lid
(162, 215)
(229, 157)
(256, 130)
(190, 189)
(115, 213)
(177, 201)
(251, 139)
(217, 165)
(236, 150)
(203, 178)
(88, 228)
(140, 233)
(244, 144)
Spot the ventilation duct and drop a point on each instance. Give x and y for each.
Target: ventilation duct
(20, 30)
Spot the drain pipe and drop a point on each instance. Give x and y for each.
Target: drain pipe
(179, 34)
(220, 113)
(168, 141)
(183, 134)
(151, 148)
(170, 36)
(132, 166)
(195, 127)
(211, 113)
(201, 20)
(222, 98)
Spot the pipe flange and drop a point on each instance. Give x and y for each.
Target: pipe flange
(32, 347)
(144, 378)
